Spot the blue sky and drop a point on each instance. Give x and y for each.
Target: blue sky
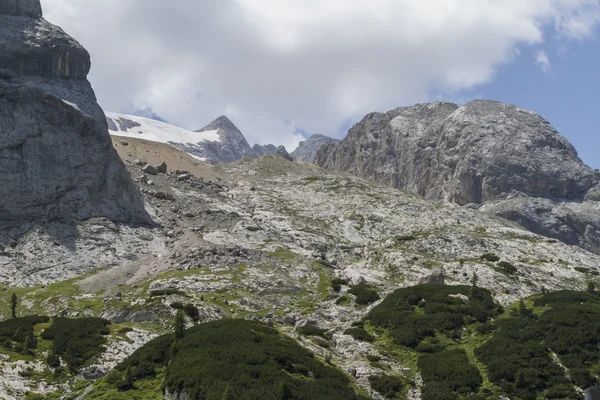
(567, 94)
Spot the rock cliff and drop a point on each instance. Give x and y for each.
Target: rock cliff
(56, 157)
(307, 150)
(482, 152)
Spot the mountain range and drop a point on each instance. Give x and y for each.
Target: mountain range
(437, 252)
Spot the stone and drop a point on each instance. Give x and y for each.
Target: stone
(162, 168)
(56, 157)
(435, 278)
(184, 177)
(124, 143)
(149, 169)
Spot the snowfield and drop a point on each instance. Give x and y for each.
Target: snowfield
(156, 131)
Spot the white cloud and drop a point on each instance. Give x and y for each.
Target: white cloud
(542, 61)
(278, 65)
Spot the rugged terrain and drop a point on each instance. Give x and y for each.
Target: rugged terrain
(56, 157)
(307, 150)
(219, 141)
(294, 281)
(267, 238)
(487, 154)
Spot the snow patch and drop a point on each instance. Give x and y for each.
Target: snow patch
(157, 131)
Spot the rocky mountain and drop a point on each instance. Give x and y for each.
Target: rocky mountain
(307, 150)
(56, 157)
(266, 278)
(269, 240)
(219, 141)
(487, 154)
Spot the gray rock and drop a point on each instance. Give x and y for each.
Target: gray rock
(435, 278)
(149, 169)
(481, 152)
(184, 177)
(162, 168)
(56, 156)
(307, 150)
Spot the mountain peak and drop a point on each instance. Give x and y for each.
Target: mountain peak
(221, 122)
(24, 8)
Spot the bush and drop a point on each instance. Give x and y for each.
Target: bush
(192, 312)
(309, 330)
(491, 257)
(365, 294)
(177, 305)
(77, 340)
(415, 313)
(517, 357)
(20, 330)
(360, 334)
(387, 386)
(506, 268)
(166, 292)
(53, 360)
(342, 300)
(243, 359)
(448, 374)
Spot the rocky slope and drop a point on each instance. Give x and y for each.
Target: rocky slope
(307, 150)
(56, 157)
(479, 153)
(219, 141)
(265, 240)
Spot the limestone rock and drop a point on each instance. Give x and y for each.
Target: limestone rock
(482, 152)
(56, 157)
(307, 150)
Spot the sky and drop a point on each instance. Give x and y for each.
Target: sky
(284, 69)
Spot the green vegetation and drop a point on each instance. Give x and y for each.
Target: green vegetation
(13, 305)
(336, 284)
(519, 357)
(491, 257)
(415, 313)
(390, 387)
(365, 294)
(228, 359)
(166, 292)
(309, 330)
(77, 340)
(179, 325)
(447, 374)
(506, 268)
(359, 334)
(20, 331)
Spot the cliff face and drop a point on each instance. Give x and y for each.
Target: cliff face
(56, 156)
(307, 150)
(481, 153)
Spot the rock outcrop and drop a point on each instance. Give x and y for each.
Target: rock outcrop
(56, 157)
(482, 152)
(307, 150)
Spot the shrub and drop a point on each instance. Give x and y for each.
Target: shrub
(491, 257)
(365, 294)
(77, 340)
(507, 268)
(53, 360)
(192, 312)
(360, 334)
(244, 359)
(447, 374)
(415, 313)
(166, 292)
(342, 300)
(309, 330)
(20, 330)
(387, 386)
(177, 305)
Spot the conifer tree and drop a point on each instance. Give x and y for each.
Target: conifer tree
(13, 305)
(179, 325)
